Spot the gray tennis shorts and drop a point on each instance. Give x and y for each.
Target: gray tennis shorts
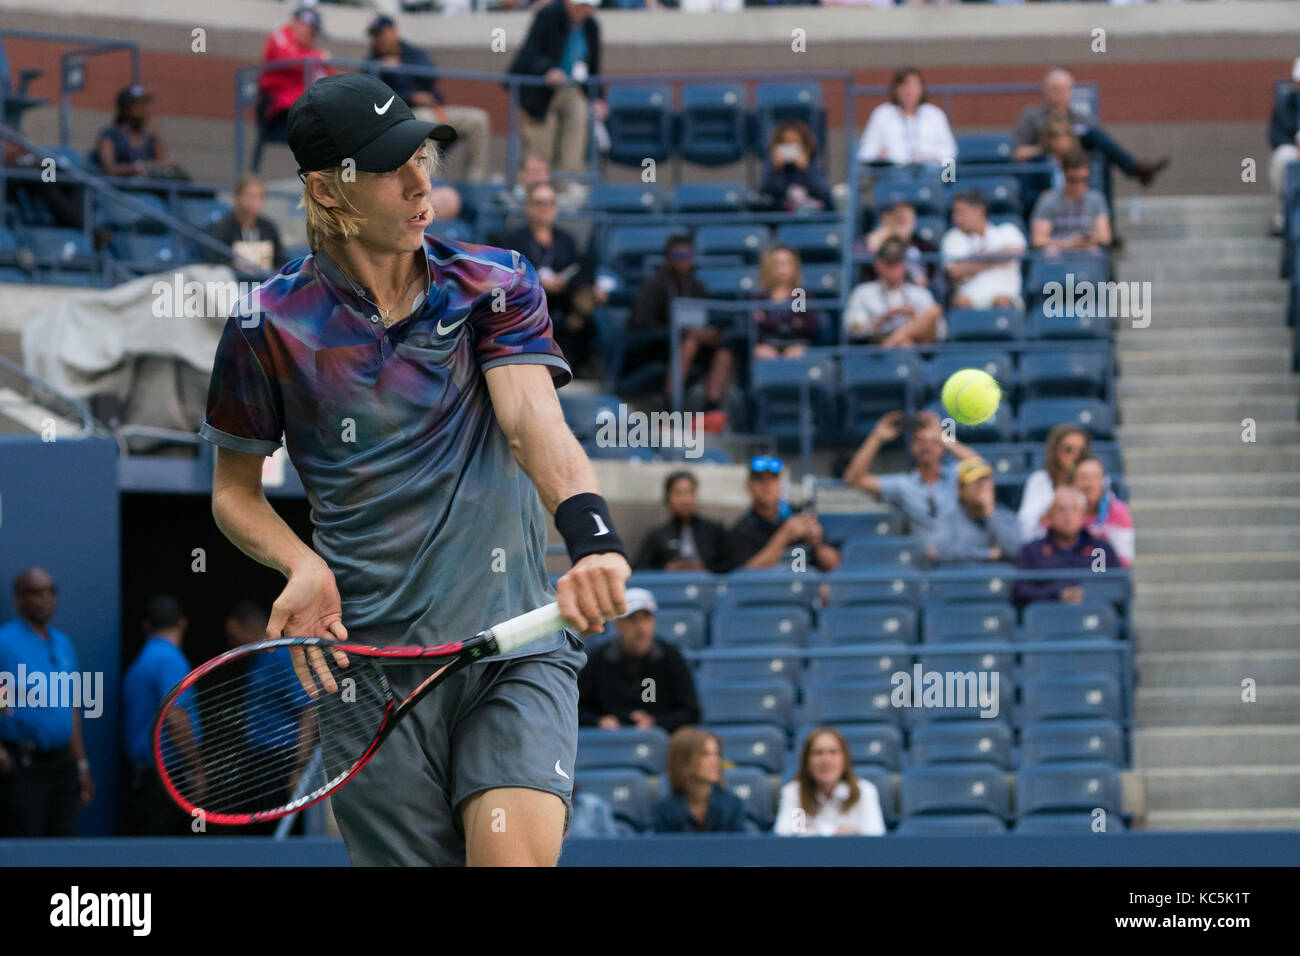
(510, 723)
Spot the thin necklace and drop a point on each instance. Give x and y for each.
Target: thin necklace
(361, 294)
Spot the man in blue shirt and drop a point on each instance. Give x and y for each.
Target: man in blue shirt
(44, 774)
(980, 529)
(1067, 544)
(160, 666)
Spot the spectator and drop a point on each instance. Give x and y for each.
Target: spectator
(702, 346)
(980, 529)
(563, 45)
(132, 145)
(44, 774)
(1107, 517)
(826, 798)
(278, 88)
(687, 542)
(1067, 544)
(793, 180)
(147, 810)
(899, 221)
(592, 816)
(63, 200)
(1073, 217)
(637, 680)
(982, 259)
(1058, 91)
(254, 238)
(771, 527)
(1058, 141)
(927, 494)
(1066, 444)
(907, 129)
(473, 128)
(892, 311)
(566, 275)
(533, 169)
(1284, 137)
(697, 801)
(783, 332)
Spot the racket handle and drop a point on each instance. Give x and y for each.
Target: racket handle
(528, 627)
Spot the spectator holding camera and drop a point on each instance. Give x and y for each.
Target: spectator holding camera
(771, 527)
(793, 180)
(826, 798)
(1067, 544)
(979, 529)
(1108, 517)
(899, 222)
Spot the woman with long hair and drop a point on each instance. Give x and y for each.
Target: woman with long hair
(1065, 445)
(697, 801)
(908, 129)
(826, 798)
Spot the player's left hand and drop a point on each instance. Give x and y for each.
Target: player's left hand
(591, 592)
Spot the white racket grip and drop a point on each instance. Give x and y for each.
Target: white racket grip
(528, 627)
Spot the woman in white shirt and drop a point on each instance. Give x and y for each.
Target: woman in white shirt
(907, 129)
(825, 798)
(1065, 444)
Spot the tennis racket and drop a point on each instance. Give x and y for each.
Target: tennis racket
(241, 741)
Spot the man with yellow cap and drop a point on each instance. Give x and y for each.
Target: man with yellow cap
(979, 529)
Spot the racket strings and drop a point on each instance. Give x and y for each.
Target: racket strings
(255, 732)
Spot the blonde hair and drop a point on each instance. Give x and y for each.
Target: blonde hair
(344, 222)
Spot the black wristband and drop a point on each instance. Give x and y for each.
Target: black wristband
(584, 523)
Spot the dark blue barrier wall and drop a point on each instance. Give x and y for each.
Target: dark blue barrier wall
(1120, 849)
(59, 510)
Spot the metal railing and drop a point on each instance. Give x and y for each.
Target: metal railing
(40, 394)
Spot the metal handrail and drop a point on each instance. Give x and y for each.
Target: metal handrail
(42, 390)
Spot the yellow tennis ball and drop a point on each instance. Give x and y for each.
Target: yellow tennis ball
(971, 396)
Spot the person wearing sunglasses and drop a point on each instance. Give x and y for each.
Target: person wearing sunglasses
(764, 535)
(1072, 217)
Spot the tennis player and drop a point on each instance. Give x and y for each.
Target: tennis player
(413, 381)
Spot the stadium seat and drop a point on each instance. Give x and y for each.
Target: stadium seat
(969, 584)
(956, 824)
(994, 620)
(754, 787)
(640, 123)
(998, 364)
(765, 586)
(712, 124)
(754, 702)
(624, 748)
(1066, 824)
(1065, 787)
(627, 199)
(777, 389)
(776, 103)
(1068, 324)
(729, 282)
(984, 148)
(760, 747)
(112, 214)
(1039, 415)
(684, 627)
(1001, 193)
(839, 526)
(626, 791)
(984, 325)
(1052, 741)
(926, 196)
(709, 197)
(781, 661)
(1101, 662)
(814, 241)
(586, 412)
(56, 245)
(848, 702)
(866, 623)
(1009, 459)
(1046, 620)
(1071, 698)
(147, 253)
(962, 741)
(1072, 374)
(882, 549)
(1115, 587)
(822, 281)
(931, 229)
(779, 624)
(1060, 273)
(747, 241)
(874, 383)
(886, 789)
(956, 788)
(626, 247)
(694, 589)
(202, 212)
(867, 662)
(855, 588)
(1000, 428)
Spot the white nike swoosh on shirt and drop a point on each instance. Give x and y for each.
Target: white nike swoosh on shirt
(444, 329)
(559, 771)
(381, 110)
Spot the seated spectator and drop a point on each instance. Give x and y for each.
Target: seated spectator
(1058, 141)
(892, 311)
(1066, 544)
(278, 88)
(701, 346)
(981, 281)
(254, 238)
(899, 221)
(1065, 445)
(565, 274)
(793, 180)
(445, 201)
(1108, 518)
(533, 169)
(1073, 217)
(473, 129)
(1058, 91)
(132, 146)
(63, 200)
(764, 534)
(612, 687)
(783, 332)
(147, 810)
(1284, 137)
(980, 529)
(687, 542)
(592, 816)
(907, 129)
(697, 801)
(927, 494)
(826, 798)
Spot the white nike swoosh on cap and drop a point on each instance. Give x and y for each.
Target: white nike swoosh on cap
(381, 110)
(444, 329)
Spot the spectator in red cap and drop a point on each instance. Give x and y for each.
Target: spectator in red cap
(279, 88)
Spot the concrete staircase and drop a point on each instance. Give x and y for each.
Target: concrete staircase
(1217, 576)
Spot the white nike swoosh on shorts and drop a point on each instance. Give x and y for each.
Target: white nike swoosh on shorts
(559, 771)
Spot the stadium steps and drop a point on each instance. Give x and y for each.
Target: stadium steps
(1216, 599)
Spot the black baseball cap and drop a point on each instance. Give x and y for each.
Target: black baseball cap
(379, 24)
(892, 250)
(356, 116)
(132, 94)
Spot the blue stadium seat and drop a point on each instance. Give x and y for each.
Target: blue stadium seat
(684, 627)
(962, 741)
(776, 103)
(944, 364)
(777, 389)
(626, 247)
(112, 214)
(1066, 824)
(882, 549)
(712, 123)
(931, 228)
(1002, 193)
(850, 588)
(849, 702)
(747, 241)
(822, 280)
(1065, 787)
(994, 620)
(874, 383)
(761, 747)
(54, 244)
(754, 702)
(1072, 374)
(1061, 273)
(626, 791)
(10, 274)
(1009, 459)
(984, 148)
(777, 624)
(627, 748)
(729, 282)
(754, 787)
(1066, 325)
(693, 589)
(870, 662)
(956, 788)
(926, 196)
(586, 412)
(955, 824)
(814, 241)
(1000, 428)
(783, 661)
(627, 199)
(1046, 620)
(984, 325)
(203, 212)
(886, 790)
(839, 526)
(970, 584)
(709, 197)
(1052, 741)
(1071, 698)
(1115, 588)
(1101, 662)
(766, 586)
(1039, 415)
(866, 623)
(147, 253)
(640, 123)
